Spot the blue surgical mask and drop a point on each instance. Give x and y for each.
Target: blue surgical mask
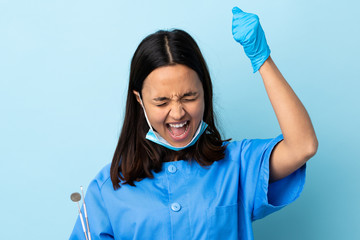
(156, 138)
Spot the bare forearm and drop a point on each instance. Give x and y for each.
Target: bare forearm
(299, 136)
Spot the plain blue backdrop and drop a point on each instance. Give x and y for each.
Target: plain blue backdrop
(64, 69)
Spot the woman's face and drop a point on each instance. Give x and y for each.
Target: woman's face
(173, 98)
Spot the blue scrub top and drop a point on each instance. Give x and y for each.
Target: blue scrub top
(187, 201)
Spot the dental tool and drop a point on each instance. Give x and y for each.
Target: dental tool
(76, 197)
(86, 217)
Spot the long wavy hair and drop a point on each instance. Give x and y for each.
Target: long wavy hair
(136, 157)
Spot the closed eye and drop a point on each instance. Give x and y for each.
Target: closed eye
(161, 104)
(189, 99)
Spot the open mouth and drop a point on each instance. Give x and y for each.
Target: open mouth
(178, 130)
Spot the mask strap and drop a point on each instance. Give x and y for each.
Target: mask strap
(143, 107)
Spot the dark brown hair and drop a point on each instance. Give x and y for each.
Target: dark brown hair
(136, 157)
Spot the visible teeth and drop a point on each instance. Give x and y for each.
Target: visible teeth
(177, 125)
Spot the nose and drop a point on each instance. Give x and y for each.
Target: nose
(177, 111)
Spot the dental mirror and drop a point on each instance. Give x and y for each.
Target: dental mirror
(75, 197)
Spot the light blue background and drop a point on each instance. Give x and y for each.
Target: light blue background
(64, 69)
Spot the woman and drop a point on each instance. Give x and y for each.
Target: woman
(172, 176)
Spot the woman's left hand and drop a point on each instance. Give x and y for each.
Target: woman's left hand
(300, 142)
(247, 31)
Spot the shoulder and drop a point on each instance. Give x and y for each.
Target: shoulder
(236, 149)
(103, 176)
(251, 143)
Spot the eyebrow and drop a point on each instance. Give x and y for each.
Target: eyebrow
(188, 94)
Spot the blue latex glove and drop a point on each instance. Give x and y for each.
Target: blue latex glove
(246, 30)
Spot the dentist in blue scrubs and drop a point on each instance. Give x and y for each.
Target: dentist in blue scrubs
(172, 175)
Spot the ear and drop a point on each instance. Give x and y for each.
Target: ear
(137, 95)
